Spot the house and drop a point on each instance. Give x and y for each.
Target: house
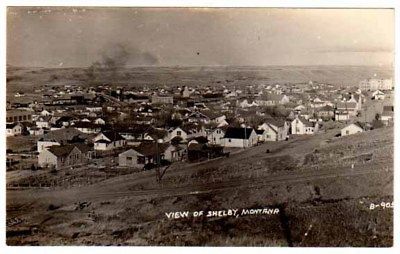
(99, 121)
(352, 129)
(185, 92)
(198, 152)
(387, 115)
(374, 84)
(239, 137)
(378, 95)
(87, 127)
(175, 153)
(45, 112)
(61, 156)
(216, 136)
(260, 135)
(194, 130)
(35, 131)
(177, 132)
(108, 140)
(275, 129)
(248, 103)
(197, 117)
(342, 115)
(326, 112)
(272, 99)
(301, 126)
(17, 115)
(356, 98)
(145, 153)
(350, 107)
(13, 129)
(60, 137)
(155, 99)
(43, 122)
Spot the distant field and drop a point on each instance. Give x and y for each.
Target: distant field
(27, 79)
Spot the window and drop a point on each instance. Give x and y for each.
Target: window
(347, 132)
(297, 129)
(129, 158)
(178, 133)
(214, 139)
(229, 140)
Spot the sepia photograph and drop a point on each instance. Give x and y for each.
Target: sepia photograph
(195, 126)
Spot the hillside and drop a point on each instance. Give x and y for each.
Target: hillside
(27, 79)
(322, 186)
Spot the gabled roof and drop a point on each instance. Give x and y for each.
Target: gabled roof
(11, 125)
(260, 132)
(65, 150)
(112, 135)
(151, 148)
(278, 122)
(304, 121)
(61, 151)
(63, 135)
(238, 133)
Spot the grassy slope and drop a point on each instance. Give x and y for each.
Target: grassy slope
(130, 209)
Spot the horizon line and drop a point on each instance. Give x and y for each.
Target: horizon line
(203, 66)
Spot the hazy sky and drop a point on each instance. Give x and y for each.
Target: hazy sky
(64, 37)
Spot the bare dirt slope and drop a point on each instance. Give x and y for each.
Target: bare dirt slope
(323, 187)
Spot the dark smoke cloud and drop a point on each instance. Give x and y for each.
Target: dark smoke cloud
(114, 59)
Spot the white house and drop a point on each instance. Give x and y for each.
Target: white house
(352, 129)
(108, 140)
(43, 122)
(216, 136)
(240, 137)
(378, 95)
(13, 129)
(177, 132)
(275, 130)
(301, 126)
(99, 121)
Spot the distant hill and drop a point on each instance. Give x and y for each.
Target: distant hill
(26, 79)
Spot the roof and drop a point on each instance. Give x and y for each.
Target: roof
(278, 122)
(305, 122)
(11, 125)
(238, 133)
(61, 151)
(112, 135)
(149, 149)
(65, 150)
(388, 108)
(259, 132)
(200, 139)
(62, 135)
(86, 125)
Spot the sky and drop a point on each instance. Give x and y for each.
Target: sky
(77, 37)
